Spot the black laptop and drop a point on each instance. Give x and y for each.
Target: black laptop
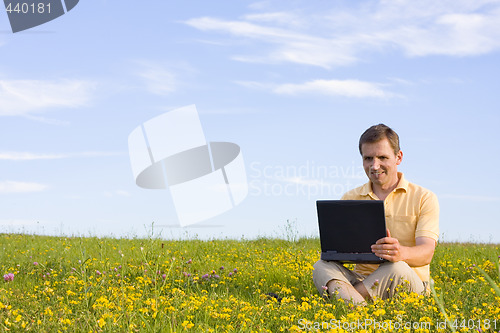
(348, 228)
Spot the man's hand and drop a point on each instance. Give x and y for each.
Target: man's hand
(419, 255)
(389, 248)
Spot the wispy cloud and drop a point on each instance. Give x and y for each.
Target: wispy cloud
(9, 186)
(344, 35)
(27, 156)
(292, 46)
(346, 88)
(46, 120)
(278, 18)
(158, 78)
(25, 97)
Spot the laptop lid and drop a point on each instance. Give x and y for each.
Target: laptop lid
(348, 228)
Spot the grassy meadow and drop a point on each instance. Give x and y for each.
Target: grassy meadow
(86, 284)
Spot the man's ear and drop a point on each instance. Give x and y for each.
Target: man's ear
(399, 158)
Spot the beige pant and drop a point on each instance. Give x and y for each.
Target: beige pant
(383, 282)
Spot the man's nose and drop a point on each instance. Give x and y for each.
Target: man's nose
(375, 164)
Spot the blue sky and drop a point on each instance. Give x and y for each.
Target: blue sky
(293, 83)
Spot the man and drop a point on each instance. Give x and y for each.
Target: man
(412, 219)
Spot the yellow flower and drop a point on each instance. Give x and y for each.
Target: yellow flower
(187, 324)
(48, 312)
(66, 321)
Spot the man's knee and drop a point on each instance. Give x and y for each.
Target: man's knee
(325, 271)
(400, 274)
(399, 268)
(318, 265)
(322, 264)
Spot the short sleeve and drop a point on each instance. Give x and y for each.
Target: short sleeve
(428, 218)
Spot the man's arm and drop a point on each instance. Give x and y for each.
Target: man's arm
(418, 255)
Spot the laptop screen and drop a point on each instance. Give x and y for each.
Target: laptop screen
(350, 226)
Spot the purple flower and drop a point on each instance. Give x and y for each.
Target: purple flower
(164, 276)
(235, 270)
(98, 273)
(189, 261)
(8, 277)
(35, 263)
(324, 287)
(230, 274)
(206, 276)
(221, 268)
(216, 276)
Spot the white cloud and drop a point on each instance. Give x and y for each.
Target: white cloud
(20, 187)
(46, 120)
(259, 4)
(27, 156)
(346, 88)
(279, 18)
(291, 46)
(344, 35)
(24, 97)
(158, 79)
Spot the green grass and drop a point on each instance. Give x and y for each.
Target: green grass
(93, 284)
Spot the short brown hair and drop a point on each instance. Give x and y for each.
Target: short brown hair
(380, 132)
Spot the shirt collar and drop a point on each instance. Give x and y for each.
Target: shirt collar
(366, 189)
(403, 183)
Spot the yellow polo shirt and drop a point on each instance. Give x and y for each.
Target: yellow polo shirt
(411, 211)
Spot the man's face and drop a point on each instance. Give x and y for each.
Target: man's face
(380, 163)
